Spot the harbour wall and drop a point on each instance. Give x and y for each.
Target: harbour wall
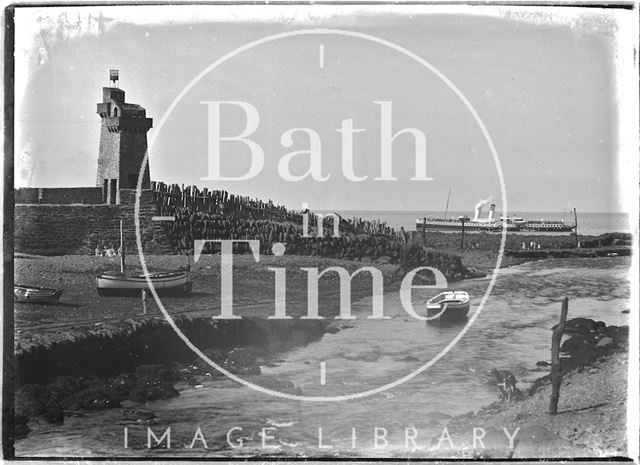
(59, 196)
(75, 221)
(67, 229)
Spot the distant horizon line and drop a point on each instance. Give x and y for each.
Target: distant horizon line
(442, 211)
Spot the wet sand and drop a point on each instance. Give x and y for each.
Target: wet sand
(80, 307)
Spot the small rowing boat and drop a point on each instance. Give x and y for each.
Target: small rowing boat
(35, 294)
(448, 306)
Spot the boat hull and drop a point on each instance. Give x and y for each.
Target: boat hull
(547, 228)
(163, 283)
(468, 226)
(36, 295)
(457, 307)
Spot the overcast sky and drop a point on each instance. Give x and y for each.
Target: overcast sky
(546, 88)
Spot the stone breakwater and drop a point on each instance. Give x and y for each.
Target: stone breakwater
(122, 365)
(219, 215)
(224, 204)
(190, 225)
(365, 248)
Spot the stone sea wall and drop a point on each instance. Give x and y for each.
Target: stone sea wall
(68, 221)
(59, 196)
(351, 244)
(64, 229)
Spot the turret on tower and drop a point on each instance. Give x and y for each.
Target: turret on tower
(123, 142)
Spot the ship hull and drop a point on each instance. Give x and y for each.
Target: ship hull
(457, 226)
(493, 227)
(541, 227)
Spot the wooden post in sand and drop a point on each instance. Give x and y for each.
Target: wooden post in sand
(122, 263)
(144, 302)
(424, 230)
(556, 369)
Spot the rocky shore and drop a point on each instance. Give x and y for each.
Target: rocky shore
(591, 420)
(147, 362)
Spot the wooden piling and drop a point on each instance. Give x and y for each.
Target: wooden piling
(556, 369)
(122, 251)
(424, 230)
(144, 302)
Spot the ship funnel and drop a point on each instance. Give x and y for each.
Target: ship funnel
(491, 211)
(478, 208)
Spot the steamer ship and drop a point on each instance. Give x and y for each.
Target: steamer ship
(476, 224)
(490, 224)
(547, 226)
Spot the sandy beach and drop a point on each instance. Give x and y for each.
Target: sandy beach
(81, 307)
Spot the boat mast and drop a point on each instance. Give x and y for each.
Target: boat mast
(122, 268)
(446, 210)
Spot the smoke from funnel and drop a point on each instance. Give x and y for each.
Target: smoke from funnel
(479, 206)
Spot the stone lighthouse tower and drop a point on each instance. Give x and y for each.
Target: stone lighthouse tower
(123, 142)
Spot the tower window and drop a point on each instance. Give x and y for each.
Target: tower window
(115, 111)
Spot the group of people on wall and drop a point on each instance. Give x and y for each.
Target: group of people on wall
(104, 251)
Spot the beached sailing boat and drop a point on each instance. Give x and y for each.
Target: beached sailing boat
(167, 282)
